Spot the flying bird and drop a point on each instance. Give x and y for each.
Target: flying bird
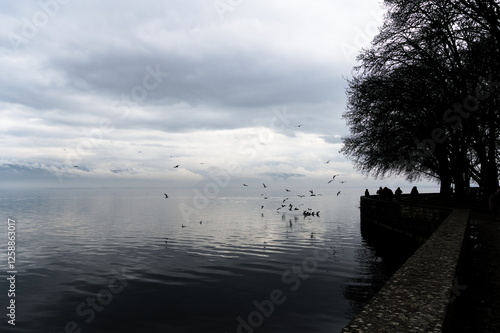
(287, 190)
(166, 195)
(261, 207)
(342, 182)
(331, 180)
(299, 125)
(327, 162)
(176, 166)
(245, 185)
(338, 193)
(265, 186)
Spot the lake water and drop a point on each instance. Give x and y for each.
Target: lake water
(120, 260)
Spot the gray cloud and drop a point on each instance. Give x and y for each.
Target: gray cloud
(90, 86)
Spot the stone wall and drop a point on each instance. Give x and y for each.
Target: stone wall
(417, 297)
(414, 219)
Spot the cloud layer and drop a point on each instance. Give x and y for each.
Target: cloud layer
(121, 90)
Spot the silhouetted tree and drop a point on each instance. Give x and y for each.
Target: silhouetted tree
(423, 102)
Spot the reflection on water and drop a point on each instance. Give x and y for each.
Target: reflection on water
(121, 260)
(379, 259)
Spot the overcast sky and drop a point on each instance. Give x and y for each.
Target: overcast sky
(120, 92)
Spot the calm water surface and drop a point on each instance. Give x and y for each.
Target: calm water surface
(119, 260)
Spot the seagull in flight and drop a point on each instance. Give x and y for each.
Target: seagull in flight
(245, 185)
(331, 180)
(166, 195)
(287, 190)
(265, 186)
(338, 193)
(299, 125)
(327, 162)
(342, 182)
(176, 166)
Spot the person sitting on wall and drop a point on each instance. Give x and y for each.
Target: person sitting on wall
(367, 194)
(414, 193)
(387, 194)
(494, 202)
(379, 192)
(398, 194)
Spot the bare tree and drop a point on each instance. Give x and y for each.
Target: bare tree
(424, 101)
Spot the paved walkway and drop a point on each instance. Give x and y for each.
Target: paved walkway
(478, 307)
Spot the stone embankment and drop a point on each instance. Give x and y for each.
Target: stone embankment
(420, 296)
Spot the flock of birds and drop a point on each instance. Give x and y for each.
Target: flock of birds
(290, 207)
(285, 207)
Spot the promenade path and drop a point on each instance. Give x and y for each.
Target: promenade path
(478, 307)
